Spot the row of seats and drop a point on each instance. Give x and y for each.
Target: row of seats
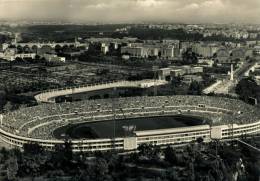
(25, 119)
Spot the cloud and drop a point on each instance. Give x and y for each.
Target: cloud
(117, 11)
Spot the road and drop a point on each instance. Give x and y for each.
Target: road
(240, 73)
(227, 86)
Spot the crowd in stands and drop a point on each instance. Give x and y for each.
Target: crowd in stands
(40, 121)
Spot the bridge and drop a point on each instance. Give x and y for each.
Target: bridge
(50, 95)
(50, 44)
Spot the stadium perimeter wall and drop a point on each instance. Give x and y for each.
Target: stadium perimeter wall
(156, 137)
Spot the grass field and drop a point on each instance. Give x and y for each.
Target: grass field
(105, 129)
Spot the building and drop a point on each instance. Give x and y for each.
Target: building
(249, 53)
(167, 52)
(253, 35)
(75, 53)
(190, 78)
(204, 50)
(125, 57)
(147, 50)
(25, 55)
(114, 45)
(256, 50)
(164, 72)
(175, 71)
(54, 58)
(104, 48)
(137, 52)
(184, 46)
(3, 47)
(185, 70)
(251, 43)
(223, 56)
(10, 54)
(205, 62)
(238, 53)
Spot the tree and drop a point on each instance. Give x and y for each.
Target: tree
(189, 57)
(32, 148)
(8, 106)
(19, 49)
(12, 168)
(26, 49)
(195, 88)
(58, 49)
(5, 154)
(102, 71)
(176, 80)
(34, 49)
(200, 140)
(63, 156)
(170, 155)
(18, 59)
(247, 88)
(145, 149)
(101, 169)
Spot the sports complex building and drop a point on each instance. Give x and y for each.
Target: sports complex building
(125, 123)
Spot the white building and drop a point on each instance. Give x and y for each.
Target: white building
(256, 50)
(54, 58)
(25, 55)
(205, 62)
(204, 50)
(10, 55)
(104, 48)
(167, 52)
(3, 47)
(190, 78)
(175, 71)
(144, 51)
(133, 51)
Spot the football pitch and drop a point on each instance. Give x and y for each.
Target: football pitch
(106, 129)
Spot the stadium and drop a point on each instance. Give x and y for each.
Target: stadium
(125, 123)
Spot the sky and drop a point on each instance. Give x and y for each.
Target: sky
(133, 11)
